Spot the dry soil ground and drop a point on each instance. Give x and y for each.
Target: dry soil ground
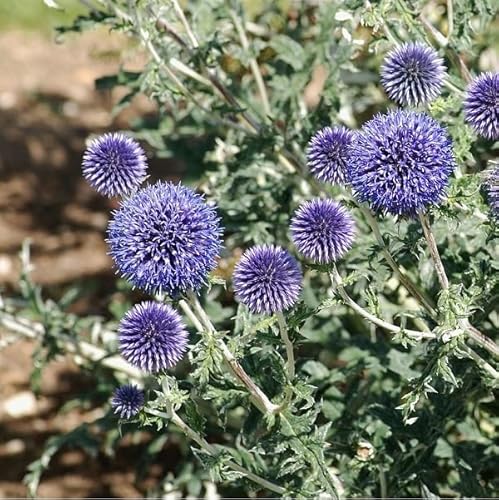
(48, 107)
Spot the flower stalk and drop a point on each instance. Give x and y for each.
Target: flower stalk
(203, 323)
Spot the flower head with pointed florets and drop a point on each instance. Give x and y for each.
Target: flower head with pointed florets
(114, 164)
(152, 337)
(481, 105)
(327, 154)
(413, 74)
(492, 189)
(322, 230)
(267, 279)
(165, 238)
(401, 162)
(127, 401)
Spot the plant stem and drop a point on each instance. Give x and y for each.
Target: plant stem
(470, 330)
(403, 278)
(35, 330)
(253, 63)
(435, 255)
(290, 361)
(486, 367)
(211, 450)
(337, 280)
(203, 323)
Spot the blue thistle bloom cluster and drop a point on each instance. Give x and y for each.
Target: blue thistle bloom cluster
(165, 238)
(492, 189)
(322, 230)
(401, 162)
(267, 279)
(481, 105)
(114, 164)
(152, 337)
(127, 401)
(413, 74)
(327, 154)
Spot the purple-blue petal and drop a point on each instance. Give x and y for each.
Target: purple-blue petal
(114, 164)
(322, 230)
(165, 238)
(267, 279)
(152, 337)
(400, 163)
(413, 74)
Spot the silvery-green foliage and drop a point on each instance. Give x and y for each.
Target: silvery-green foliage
(369, 413)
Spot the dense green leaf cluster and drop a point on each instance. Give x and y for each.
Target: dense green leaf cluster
(369, 413)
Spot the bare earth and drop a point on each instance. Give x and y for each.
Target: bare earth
(48, 108)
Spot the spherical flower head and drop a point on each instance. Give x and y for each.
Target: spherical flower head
(400, 163)
(327, 154)
(267, 279)
(152, 337)
(322, 230)
(165, 238)
(127, 401)
(481, 105)
(492, 189)
(413, 74)
(114, 164)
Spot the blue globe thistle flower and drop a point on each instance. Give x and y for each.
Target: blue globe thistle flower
(322, 230)
(165, 238)
(327, 154)
(114, 164)
(481, 105)
(127, 401)
(152, 336)
(267, 279)
(413, 74)
(401, 162)
(492, 189)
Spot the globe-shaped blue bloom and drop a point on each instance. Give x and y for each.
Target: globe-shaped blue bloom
(267, 279)
(127, 401)
(413, 74)
(152, 337)
(481, 105)
(322, 230)
(114, 164)
(165, 238)
(400, 162)
(327, 154)
(492, 189)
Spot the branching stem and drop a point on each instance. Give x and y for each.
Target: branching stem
(337, 280)
(203, 323)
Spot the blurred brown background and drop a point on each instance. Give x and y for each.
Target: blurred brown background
(48, 108)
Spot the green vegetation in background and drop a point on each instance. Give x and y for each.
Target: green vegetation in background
(34, 15)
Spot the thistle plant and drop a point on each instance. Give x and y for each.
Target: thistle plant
(336, 338)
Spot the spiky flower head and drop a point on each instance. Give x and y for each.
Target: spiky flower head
(492, 189)
(401, 162)
(322, 230)
(267, 279)
(152, 336)
(327, 154)
(413, 74)
(165, 238)
(481, 105)
(127, 401)
(114, 164)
